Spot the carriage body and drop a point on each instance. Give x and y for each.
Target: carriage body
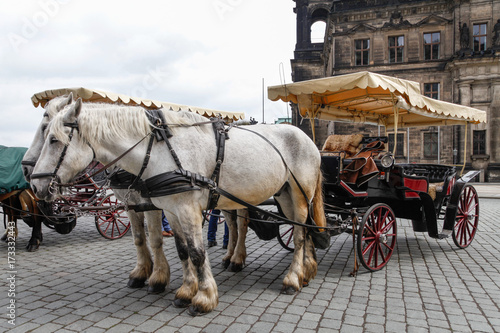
(433, 196)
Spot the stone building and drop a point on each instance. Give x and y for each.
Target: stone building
(451, 47)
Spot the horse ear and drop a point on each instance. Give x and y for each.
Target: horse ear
(73, 112)
(67, 101)
(78, 106)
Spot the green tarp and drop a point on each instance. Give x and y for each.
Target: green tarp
(11, 173)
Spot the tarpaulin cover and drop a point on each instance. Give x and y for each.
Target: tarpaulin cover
(11, 173)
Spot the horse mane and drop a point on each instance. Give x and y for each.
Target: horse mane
(100, 122)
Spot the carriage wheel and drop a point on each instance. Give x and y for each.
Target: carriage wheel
(285, 236)
(467, 217)
(376, 237)
(115, 224)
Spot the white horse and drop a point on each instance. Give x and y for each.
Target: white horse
(253, 171)
(157, 271)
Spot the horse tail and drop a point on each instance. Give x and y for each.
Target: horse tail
(318, 204)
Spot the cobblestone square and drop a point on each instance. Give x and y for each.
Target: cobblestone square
(77, 283)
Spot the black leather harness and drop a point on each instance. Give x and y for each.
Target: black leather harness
(179, 180)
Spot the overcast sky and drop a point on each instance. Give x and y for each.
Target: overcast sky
(206, 53)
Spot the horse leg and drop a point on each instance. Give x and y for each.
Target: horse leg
(28, 203)
(310, 260)
(230, 217)
(36, 235)
(161, 270)
(144, 265)
(199, 288)
(240, 253)
(295, 207)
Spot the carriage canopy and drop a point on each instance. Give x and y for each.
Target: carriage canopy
(98, 96)
(377, 99)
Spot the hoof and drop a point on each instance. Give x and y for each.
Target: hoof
(288, 290)
(236, 267)
(135, 283)
(305, 284)
(194, 311)
(32, 247)
(226, 263)
(156, 289)
(181, 303)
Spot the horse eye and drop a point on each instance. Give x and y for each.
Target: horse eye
(53, 140)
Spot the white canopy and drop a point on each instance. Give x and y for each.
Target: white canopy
(372, 98)
(93, 95)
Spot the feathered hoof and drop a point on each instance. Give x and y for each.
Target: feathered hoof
(135, 283)
(181, 303)
(195, 311)
(226, 263)
(288, 290)
(235, 267)
(156, 289)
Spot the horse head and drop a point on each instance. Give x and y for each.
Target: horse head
(51, 108)
(64, 154)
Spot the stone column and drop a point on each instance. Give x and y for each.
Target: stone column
(464, 88)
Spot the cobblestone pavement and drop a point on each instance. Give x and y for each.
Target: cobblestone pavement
(77, 282)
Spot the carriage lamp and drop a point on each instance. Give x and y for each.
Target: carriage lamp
(387, 161)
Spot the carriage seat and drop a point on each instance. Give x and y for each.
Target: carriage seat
(437, 175)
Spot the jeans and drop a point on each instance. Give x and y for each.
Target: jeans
(212, 228)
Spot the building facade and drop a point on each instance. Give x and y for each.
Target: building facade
(451, 47)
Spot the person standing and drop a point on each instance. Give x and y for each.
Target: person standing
(212, 230)
(167, 231)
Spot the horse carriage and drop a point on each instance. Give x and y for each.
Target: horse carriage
(19, 202)
(179, 161)
(364, 189)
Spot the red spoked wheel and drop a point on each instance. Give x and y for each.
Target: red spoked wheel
(376, 237)
(285, 236)
(115, 224)
(467, 217)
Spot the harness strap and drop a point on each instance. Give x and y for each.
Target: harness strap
(107, 166)
(173, 182)
(221, 135)
(266, 213)
(163, 132)
(286, 165)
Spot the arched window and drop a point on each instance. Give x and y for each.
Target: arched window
(318, 30)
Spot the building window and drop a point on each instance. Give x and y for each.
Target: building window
(431, 145)
(479, 37)
(396, 48)
(362, 52)
(318, 30)
(479, 142)
(432, 42)
(400, 144)
(431, 90)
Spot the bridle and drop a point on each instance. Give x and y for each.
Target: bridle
(55, 178)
